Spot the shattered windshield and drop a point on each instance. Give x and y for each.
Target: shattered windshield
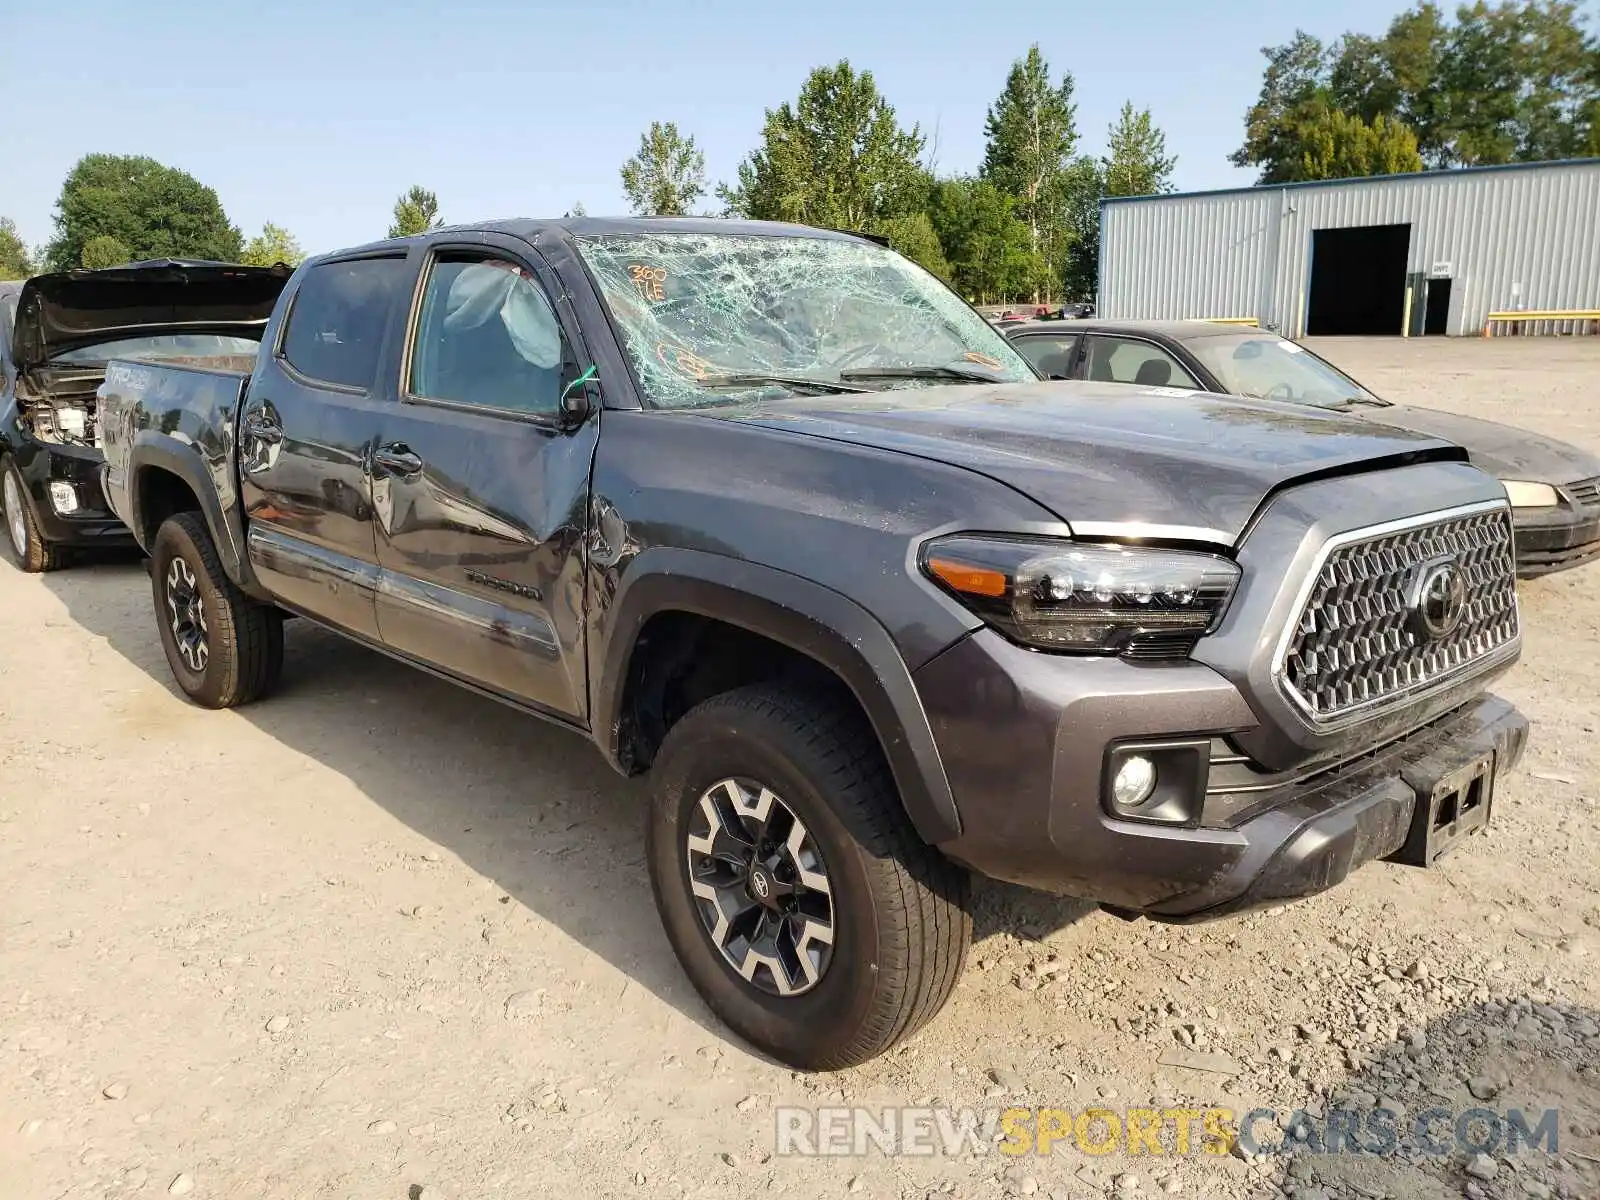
(1268, 367)
(708, 316)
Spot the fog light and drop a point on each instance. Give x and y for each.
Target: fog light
(64, 496)
(1159, 782)
(1135, 781)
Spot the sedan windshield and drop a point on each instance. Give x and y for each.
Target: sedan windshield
(161, 345)
(710, 317)
(1267, 367)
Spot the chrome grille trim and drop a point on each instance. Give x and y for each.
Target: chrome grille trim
(1377, 663)
(1585, 491)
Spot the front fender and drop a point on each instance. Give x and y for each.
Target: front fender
(807, 617)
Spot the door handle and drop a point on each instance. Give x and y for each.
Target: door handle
(397, 459)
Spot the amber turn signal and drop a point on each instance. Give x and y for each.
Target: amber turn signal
(969, 579)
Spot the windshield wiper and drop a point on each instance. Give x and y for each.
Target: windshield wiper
(965, 374)
(750, 379)
(1366, 401)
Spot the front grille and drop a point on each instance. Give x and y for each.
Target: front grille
(1357, 645)
(1585, 491)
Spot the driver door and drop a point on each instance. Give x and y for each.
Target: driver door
(480, 488)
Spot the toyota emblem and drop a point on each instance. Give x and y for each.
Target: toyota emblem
(1438, 602)
(759, 885)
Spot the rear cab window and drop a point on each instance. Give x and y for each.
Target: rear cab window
(336, 327)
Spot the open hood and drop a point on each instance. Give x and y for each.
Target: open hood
(73, 309)
(1099, 453)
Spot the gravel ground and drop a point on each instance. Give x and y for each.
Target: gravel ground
(376, 937)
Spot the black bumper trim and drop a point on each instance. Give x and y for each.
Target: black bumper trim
(1354, 817)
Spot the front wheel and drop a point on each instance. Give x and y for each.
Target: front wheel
(803, 906)
(24, 541)
(224, 648)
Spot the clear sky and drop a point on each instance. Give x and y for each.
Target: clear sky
(316, 114)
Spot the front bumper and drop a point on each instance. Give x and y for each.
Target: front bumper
(92, 523)
(1024, 739)
(1554, 539)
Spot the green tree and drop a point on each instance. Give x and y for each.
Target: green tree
(15, 261)
(577, 210)
(104, 251)
(154, 211)
(1084, 186)
(1339, 145)
(1293, 81)
(273, 245)
(666, 175)
(1512, 82)
(1031, 135)
(1136, 162)
(913, 235)
(416, 211)
(836, 158)
(989, 249)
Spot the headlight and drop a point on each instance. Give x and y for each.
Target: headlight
(1530, 495)
(1089, 599)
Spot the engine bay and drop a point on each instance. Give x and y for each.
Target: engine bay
(60, 407)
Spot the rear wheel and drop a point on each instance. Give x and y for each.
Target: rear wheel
(802, 904)
(224, 648)
(24, 542)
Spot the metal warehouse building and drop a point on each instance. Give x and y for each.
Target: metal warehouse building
(1432, 253)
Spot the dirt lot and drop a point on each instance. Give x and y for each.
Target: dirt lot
(375, 936)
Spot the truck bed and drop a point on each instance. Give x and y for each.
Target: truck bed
(181, 410)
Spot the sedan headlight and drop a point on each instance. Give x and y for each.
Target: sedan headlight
(1086, 598)
(1530, 495)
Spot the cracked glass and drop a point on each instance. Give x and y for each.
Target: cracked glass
(709, 318)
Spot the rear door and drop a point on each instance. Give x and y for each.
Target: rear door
(480, 488)
(307, 424)
(1051, 353)
(1115, 359)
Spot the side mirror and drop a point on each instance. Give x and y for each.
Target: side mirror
(575, 401)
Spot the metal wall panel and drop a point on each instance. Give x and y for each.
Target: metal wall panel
(1522, 237)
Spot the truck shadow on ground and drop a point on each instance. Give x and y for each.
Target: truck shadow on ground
(524, 803)
(1495, 1100)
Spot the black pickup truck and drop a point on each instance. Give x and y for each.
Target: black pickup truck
(772, 514)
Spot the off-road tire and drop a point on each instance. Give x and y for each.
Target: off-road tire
(901, 919)
(244, 638)
(38, 555)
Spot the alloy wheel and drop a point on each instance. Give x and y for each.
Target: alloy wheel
(188, 616)
(760, 886)
(16, 521)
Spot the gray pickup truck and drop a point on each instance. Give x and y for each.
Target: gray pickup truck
(771, 513)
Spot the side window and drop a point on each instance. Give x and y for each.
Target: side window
(340, 312)
(1051, 354)
(486, 335)
(1125, 360)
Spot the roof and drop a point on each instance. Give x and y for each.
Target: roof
(1176, 330)
(530, 228)
(1406, 177)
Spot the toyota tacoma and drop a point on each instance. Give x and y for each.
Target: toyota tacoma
(770, 513)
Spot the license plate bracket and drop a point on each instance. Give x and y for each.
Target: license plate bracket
(1457, 805)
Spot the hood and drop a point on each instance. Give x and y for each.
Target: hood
(1502, 450)
(72, 309)
(1097, 453)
